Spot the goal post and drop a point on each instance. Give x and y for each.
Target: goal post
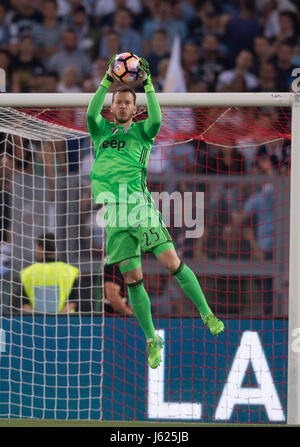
(184, 101)
(293, 408)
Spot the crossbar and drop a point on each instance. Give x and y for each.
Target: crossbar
(165, 99)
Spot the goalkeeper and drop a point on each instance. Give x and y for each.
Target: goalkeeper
(122, 150)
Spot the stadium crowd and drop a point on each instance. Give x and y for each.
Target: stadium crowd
(49, 46)
(64, 45)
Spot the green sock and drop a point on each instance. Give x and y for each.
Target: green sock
(191, 287)
(141, 306)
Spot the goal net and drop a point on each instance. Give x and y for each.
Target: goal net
(220, 176)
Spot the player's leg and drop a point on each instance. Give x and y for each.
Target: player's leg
(141, 305)
(189, 284)
(138, 297)
(123, 248)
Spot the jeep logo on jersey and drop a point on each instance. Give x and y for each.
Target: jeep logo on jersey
(114, 144)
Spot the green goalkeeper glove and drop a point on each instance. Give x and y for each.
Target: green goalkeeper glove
(146, 75)
(108, 79)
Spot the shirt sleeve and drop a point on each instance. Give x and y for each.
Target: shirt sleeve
(95, 121)
(152, 124)
(252, 205)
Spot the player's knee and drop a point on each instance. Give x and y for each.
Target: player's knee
(173, 265)
(132, 277)
(170, 260)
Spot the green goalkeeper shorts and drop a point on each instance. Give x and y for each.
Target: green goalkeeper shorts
(130, 228)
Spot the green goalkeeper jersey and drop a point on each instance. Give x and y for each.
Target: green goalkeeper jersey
(121, 153)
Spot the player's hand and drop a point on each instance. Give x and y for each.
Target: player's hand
(144, 66)
(108, 78)
(109, 66)
(145, 71)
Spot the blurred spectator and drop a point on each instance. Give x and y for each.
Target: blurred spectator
(206, 21)
(274, 149)
(8, 32)
(191, 62)
(4, 29)
(159, 164)
(183, 155)
(69, 81)
(162, 19)
(238, 242)
(186, 9)
(266, 78)
(129, 39)
(195, 27)
(258, 212)
(198, 87)
(49, 82)
(89, 86)
(20, 152)
(25, 17)
(271, 151)
(158, 51)
(107, 21)
(99, 71)
(285, 162)
(6, 64)
(263, 52)
(88, 36)
(162, 69)
(115, 297)
(47, 35)
(241, 29)
(243, 66)
(103, 8)
(222, 201)
(211, 62)
(36, 81)
(238, 84)
(111, 46)
(24, 65)
(286, 31)
(49, 286)
(66, 7)
(224, 160)
(284, 67)
(70, 56)
(272, 10)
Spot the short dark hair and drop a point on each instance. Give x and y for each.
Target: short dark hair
(47, 243)
(161, 31)
(124, 8)
(124, 89)
(79, 9)
(54, 2)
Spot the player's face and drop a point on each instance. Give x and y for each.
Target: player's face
(123, 107)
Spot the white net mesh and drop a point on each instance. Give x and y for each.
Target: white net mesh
(45, 188)
(75, 365)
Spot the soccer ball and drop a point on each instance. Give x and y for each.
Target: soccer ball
(126, 67)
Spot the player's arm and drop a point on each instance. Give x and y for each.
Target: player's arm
(153, 122)
(94, 119)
